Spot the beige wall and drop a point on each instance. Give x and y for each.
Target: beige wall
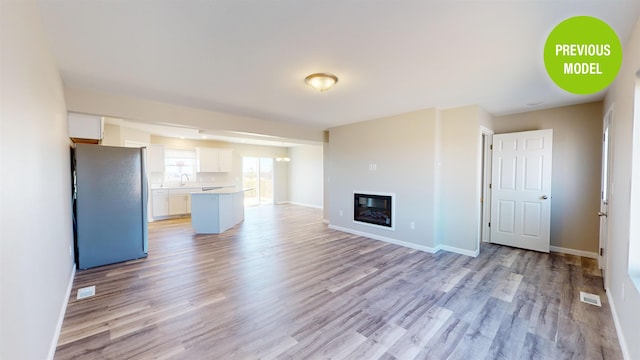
(116, 135)
(325, 181)
(35, 230)
(402, 148)
(112, 136)
(431, 160)
(459, 177)
(624, 295)
(306, 175)
(577, 156)
(129, 134)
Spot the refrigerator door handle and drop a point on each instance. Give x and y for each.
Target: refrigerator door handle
(145, 200)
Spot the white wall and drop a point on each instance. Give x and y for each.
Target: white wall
(306, 175)
(625, 297)
(36, 228)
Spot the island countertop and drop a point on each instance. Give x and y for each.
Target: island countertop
(215, 211)
(224, 190)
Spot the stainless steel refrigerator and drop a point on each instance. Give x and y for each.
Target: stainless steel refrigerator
(110, 204)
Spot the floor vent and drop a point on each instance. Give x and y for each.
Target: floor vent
(590, 298)
(86, 292)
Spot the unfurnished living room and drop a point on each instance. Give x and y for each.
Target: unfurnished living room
(319, 180)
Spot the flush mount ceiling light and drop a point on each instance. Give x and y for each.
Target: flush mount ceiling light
(321, 81)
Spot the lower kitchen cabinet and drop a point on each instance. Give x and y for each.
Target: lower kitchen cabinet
(179, 204)
(171, 202)
(160, 203)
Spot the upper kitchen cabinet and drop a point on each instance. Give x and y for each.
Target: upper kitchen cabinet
(85, 128)
(155, 158)
(225, 160)
(213, 160)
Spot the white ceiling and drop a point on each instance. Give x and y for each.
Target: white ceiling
(251, 57)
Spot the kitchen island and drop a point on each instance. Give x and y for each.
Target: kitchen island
(215, 211)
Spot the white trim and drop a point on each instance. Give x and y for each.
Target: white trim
(325, 221)
(431, 250)
(303, 204)
(485, 178)
(458, 250)
(386, 239)
(616, 322)
(63, 310)
(587, 254)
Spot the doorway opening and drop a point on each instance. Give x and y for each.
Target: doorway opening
(257, 175)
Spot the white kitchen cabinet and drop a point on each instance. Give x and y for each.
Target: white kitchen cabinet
(160, 203)
(180, 201)
(213, 160)
(178, 204)
(85, 126)
(225, 160)
(155, 158)
(207, 159)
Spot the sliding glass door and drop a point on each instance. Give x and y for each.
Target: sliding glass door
(257, 174)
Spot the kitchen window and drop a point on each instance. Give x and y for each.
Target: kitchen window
(178, 163)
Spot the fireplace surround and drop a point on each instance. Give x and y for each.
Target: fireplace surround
(374, 209)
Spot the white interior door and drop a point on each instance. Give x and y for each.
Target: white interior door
(604, 192)
(521, 189)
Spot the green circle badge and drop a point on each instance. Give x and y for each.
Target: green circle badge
(583, 55)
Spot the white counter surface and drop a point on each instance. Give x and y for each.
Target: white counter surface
(221, 191)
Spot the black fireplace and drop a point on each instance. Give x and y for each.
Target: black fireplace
(372, 209)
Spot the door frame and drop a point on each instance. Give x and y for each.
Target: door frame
(545, 194)
(603, 238)
(484, 216)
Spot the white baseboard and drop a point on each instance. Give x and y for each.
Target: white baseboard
(458, 250)
(614, 313)
(325, 221)
(63, 310)
(301, 204)
(386, 239)
(587, 254)
(431, 250)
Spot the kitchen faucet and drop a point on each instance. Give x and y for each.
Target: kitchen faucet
(181, 177)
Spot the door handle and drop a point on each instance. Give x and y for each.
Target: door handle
(600, 213)
(544, 197)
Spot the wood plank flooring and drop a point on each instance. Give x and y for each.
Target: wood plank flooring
(282, 285)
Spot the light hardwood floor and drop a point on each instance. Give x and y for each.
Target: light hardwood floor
(282, 285)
